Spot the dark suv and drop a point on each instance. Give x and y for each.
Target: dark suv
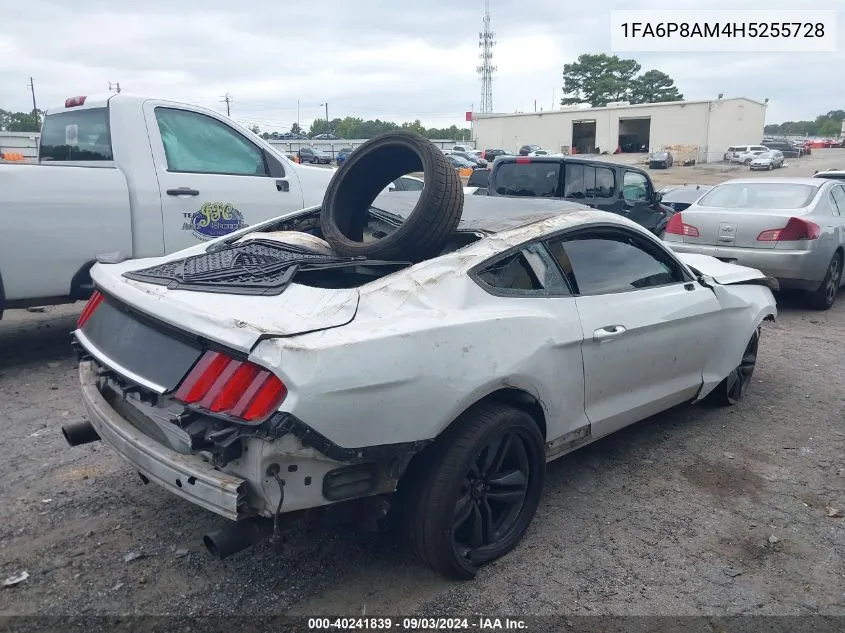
(620, 189)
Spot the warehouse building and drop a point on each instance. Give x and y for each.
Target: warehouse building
(698, 130)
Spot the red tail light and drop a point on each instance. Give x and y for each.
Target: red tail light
(676, 226)
(73, 102)
(522, 160)
(795, 229)
(235, 388)
(93, 303)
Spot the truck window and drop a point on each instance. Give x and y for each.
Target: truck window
(605, 183)
(196, 143)
(532, 179)
(635, 187)
(78, 135)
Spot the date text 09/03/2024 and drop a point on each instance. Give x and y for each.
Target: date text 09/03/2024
(415, 624)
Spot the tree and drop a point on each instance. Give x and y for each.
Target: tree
(255, 130)
(654, 86)
(829, 124)
(295, 129)
(265, 135)
(599, 79)
(20, 121)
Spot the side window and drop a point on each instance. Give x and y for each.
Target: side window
(603, 262)
(197, 143)
(604, 184)
(838, 200)
(574, 181)
(410, 184)
(635, 187)
(511, 273)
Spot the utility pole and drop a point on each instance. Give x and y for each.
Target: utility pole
(297, 113)
(115, 87)
(32, 90)
(327, 115)
(227, 99)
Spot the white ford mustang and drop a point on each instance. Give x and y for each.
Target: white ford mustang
(261, 374)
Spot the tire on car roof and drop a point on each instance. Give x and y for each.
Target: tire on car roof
(363, 176)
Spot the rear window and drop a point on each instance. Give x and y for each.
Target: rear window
(759, 196)
(479, 178)
(534, 179)
(79, 135)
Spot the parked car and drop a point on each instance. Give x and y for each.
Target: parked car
(540, 152)
(123, 176)
(463, 148)
(491, 154)
(255, 392)
(661, 159)
(622, 189)
(836, 174)
(314, 155)
(792, 229)
(679, 197)
(458, 162)
(746, 157)
(787, 149)
(406, 183)
(767, 160)
(326, 137)
(342, 154)
(741, 153)
(472, 158)
(477, 182)
(525, 150)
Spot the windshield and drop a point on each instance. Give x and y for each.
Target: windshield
(759, 196)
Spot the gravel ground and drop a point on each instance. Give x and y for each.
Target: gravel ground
(698, 511)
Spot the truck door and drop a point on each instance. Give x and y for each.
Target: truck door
(592, 185)
(213, 178)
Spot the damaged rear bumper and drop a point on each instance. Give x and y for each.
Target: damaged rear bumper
(187, 476)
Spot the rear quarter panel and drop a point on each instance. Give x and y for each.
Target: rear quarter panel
(422, 349)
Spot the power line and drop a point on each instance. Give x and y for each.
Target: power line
(227, 99)
(486, 41)
(114, 86)
(31, 87)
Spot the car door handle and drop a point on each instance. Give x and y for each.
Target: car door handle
(183, 191)
(608, 332)
(282, 185)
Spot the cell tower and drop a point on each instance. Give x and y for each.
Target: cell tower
(486, 41)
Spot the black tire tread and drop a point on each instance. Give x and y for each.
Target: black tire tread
(427, 229)
(446, 461)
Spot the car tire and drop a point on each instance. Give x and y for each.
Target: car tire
(731, 390)
(747, 162)
(771, 166)
(363, 176)
(825, 296)
(490, 439)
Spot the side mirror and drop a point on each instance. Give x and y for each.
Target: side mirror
(658, 196)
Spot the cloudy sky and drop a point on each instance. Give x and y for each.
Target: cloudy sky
(368, 58)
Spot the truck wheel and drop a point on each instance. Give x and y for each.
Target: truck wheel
(478, 491)
(362, 177)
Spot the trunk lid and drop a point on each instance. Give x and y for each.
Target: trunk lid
(236, 321)
(721, 272)
(735, 227)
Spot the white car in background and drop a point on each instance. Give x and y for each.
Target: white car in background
(257, 375)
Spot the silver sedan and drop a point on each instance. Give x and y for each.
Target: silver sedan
(792, 229)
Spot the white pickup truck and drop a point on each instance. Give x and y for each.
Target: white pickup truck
(128, 177)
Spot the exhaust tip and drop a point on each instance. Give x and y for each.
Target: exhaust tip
(211, 546)
(79, 433)
(237, 537)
